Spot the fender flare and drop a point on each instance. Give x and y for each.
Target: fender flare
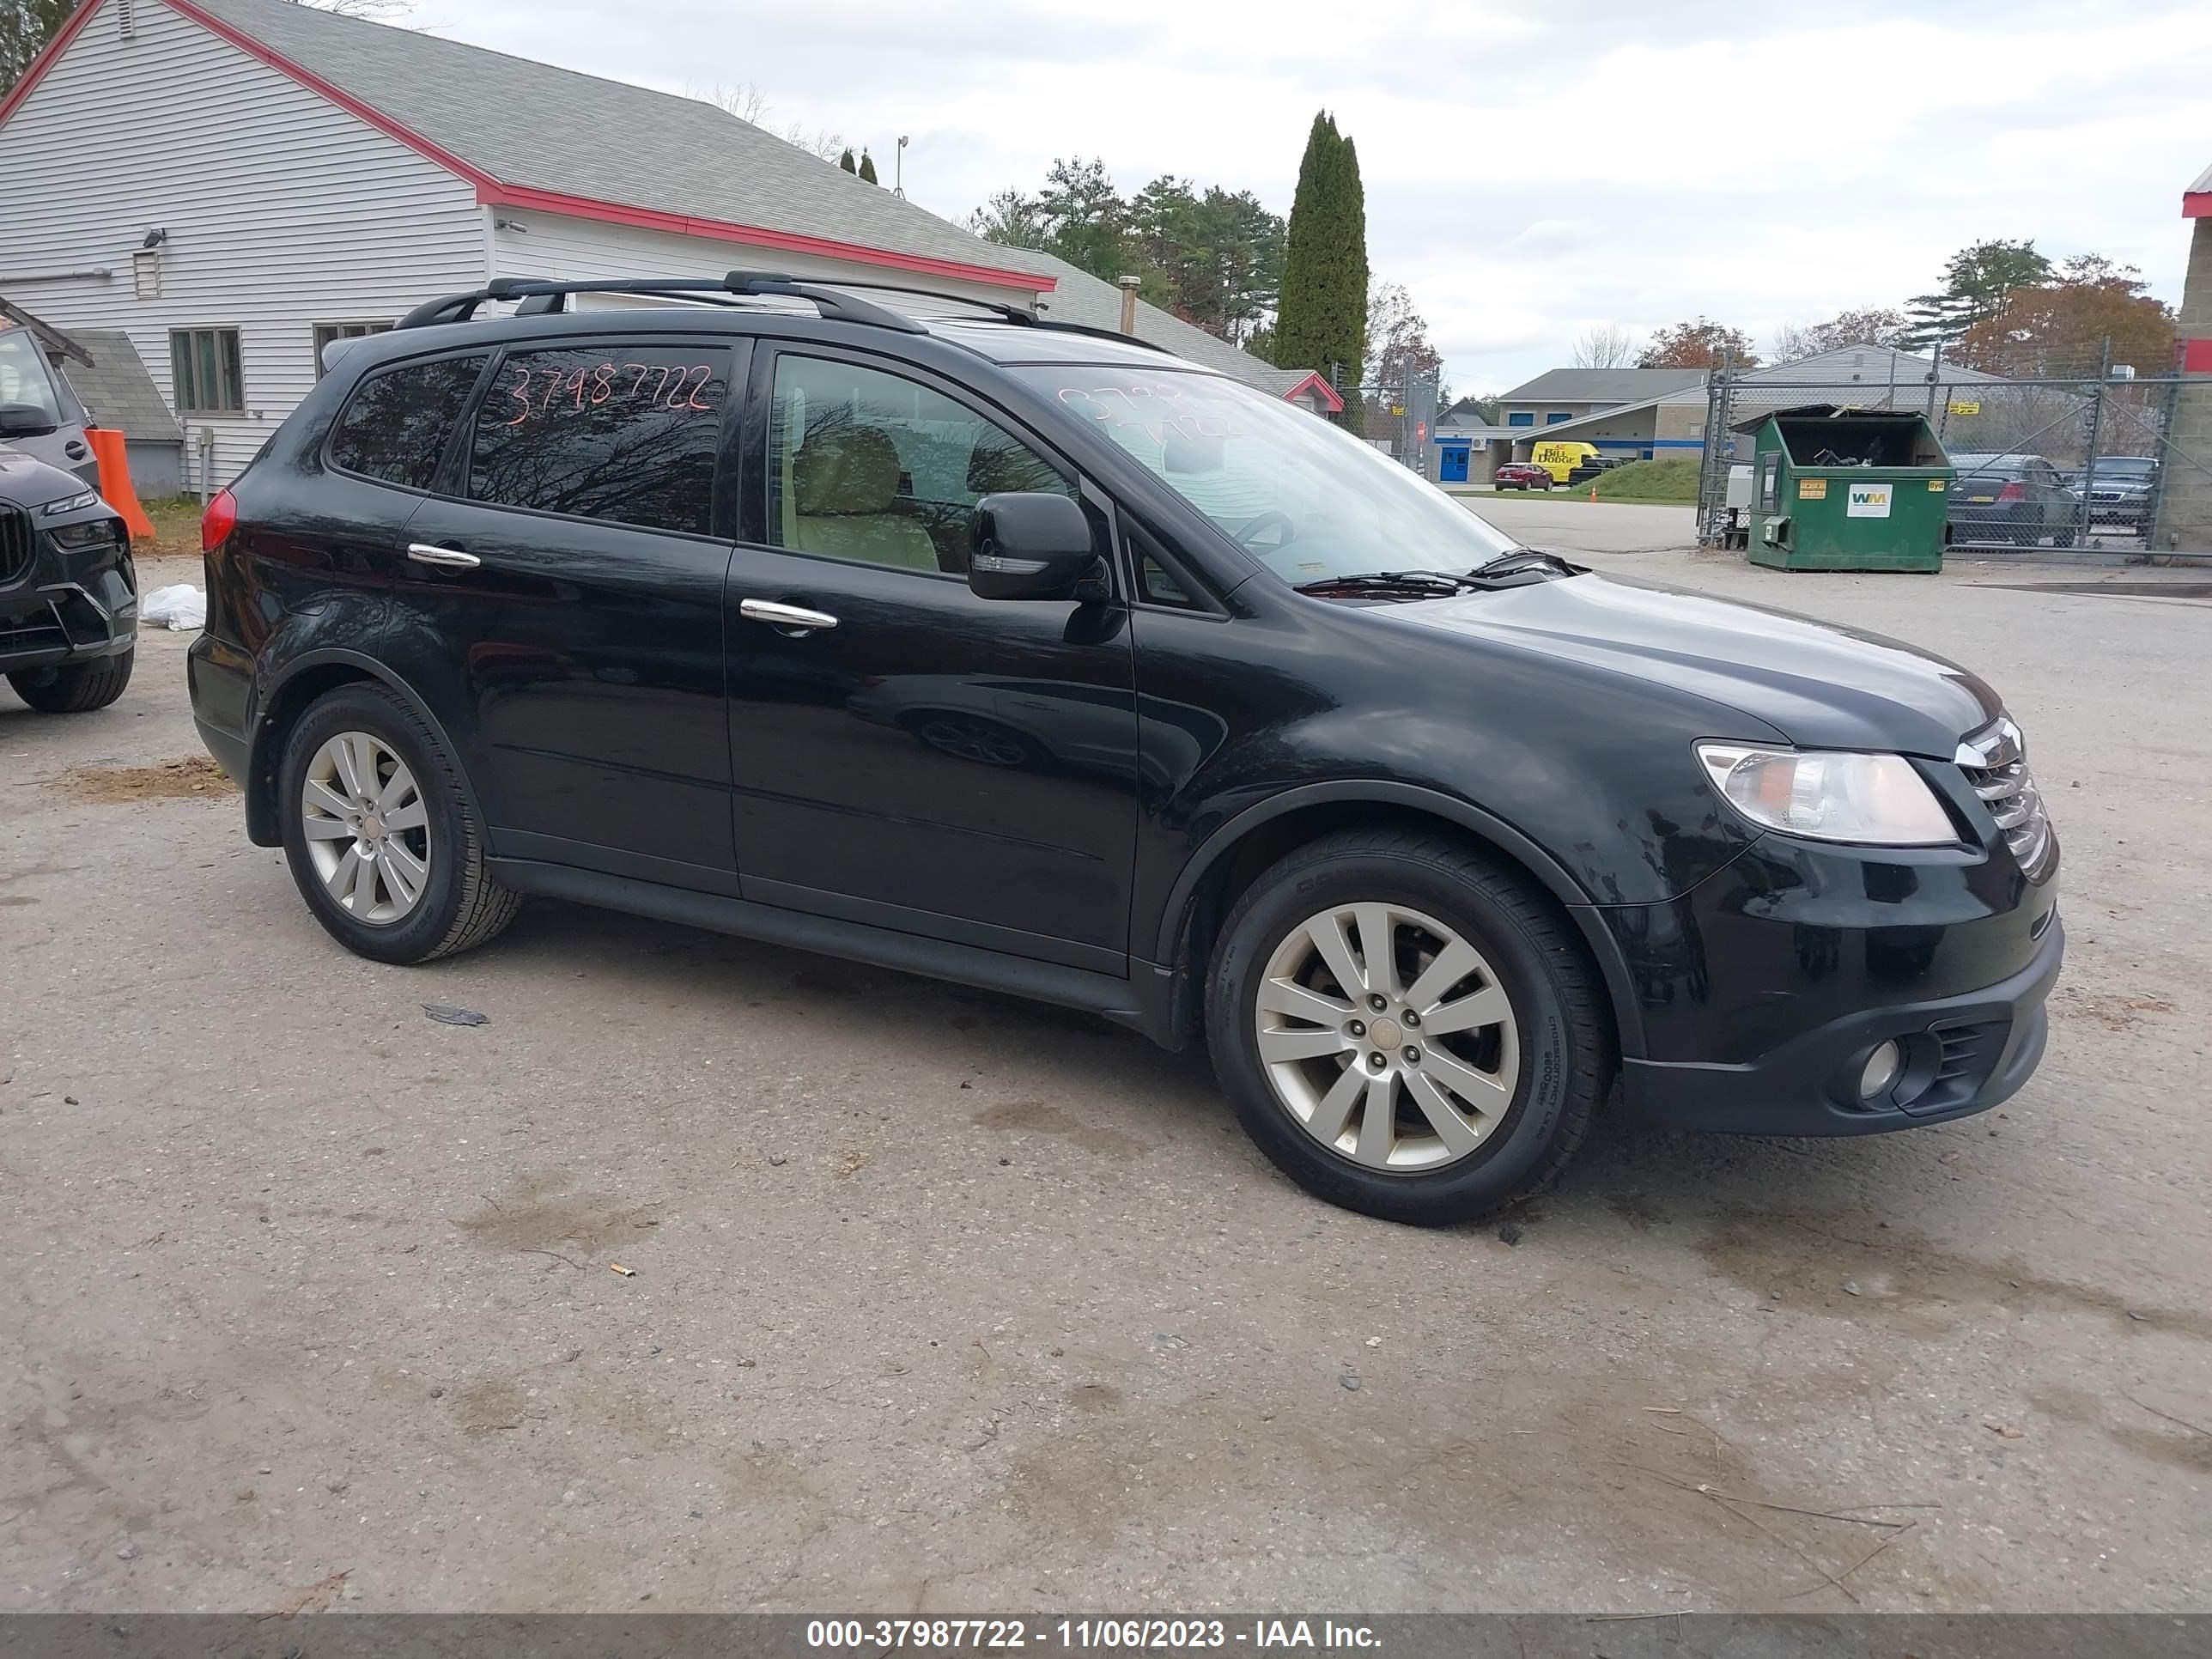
(260, 763)
(1604, 949)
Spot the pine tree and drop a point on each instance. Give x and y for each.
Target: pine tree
(867, 168)
(1976, 280)
(846, 162)
(26, 26)
(1322, 320)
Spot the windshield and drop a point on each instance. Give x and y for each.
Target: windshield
(23, 375)
(2123, 466)
(1306, 499)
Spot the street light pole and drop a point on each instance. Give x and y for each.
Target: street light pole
(898, 169)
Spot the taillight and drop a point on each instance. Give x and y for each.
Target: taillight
(218, 521)
(2012, 492)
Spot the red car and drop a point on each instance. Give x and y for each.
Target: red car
(1524, 474)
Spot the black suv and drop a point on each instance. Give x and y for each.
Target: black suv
(1028, 656)
(68, 595)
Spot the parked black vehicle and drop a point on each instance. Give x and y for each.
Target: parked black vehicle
(2019, 499)
(69, 594)
(1036, 659)
(2119, 489)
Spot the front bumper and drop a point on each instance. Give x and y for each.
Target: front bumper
(1964, 1054)
(46, 624)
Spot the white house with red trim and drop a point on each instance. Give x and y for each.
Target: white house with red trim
(234, 182)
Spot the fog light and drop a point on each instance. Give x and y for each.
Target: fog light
(1879, 1075)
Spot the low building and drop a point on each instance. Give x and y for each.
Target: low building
(233, 184)
(1560, 395)
(1673, 423)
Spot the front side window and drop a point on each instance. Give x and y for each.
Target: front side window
(204, 367)
(620, 432)
(1305, 498)
(395, 426)
(869, 465)
(23, 378)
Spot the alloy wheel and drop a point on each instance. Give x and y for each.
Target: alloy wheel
(1388, 1037)
(366, 827)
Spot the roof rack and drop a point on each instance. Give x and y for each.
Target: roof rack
(1021, 315)
(538, 297)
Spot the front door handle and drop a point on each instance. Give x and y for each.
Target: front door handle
(423, 553)
(795, 617)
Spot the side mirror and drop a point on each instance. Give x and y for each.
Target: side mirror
(25, 421)
(1028, 544)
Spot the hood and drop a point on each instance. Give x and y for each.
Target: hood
(28, 483)
(1820, 686)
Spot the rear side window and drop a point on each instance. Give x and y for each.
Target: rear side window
(620, 432)
(395, 426)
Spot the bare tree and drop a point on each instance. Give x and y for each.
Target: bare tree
(750, 105)
(1605, 347)
(1862, 326)
(375, 10)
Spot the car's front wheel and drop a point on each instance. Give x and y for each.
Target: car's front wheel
(382, 841)
(1407, 1029)
(76, 688)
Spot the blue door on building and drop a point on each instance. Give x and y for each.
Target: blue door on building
(1451, 463)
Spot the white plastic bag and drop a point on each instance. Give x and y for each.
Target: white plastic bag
(176, 607)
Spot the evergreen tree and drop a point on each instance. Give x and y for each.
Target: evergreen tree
(26, 26)
(846, 162)
(1322, 320)
(1976, 281)
(867, 168)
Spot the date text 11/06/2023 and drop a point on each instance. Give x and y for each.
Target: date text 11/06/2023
(1087, 1634)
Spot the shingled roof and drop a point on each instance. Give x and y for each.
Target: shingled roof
(592, 144)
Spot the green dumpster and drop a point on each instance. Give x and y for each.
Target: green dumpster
(1842, 488)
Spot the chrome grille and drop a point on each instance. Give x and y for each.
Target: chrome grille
(14, 542)
(1995, 760)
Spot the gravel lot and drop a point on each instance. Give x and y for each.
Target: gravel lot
(945, 1302)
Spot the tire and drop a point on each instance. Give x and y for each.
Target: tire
(2063, 539)
(1553, 1051)
(76, 688)
(456, 904)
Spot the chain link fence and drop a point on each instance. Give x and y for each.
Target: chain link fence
(1400, 419)
(2060, 456)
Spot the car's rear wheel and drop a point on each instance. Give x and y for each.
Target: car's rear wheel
(1407, 1029)
(382, 841)
(76, 688)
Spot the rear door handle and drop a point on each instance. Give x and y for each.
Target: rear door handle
(423, 553)
(784, 616)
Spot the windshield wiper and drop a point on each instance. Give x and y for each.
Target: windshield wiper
(1528, 560)
(1425, 581)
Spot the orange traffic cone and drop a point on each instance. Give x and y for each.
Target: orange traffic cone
(115, 480)
(1593, 495)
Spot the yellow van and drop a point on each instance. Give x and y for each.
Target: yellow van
(1560, 457)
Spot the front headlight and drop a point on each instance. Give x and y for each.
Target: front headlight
(69, 504)
(1830, 794)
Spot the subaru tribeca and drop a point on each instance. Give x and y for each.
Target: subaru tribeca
(1030, 657)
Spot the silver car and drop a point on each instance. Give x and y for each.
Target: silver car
(39, 414)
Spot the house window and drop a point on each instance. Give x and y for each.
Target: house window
(1521, 418)
(1554, 417)
(204, 366)
(326, 333)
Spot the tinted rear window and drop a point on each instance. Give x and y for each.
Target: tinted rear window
(395, 426)
(623, 432)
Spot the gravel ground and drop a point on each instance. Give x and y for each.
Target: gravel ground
(940, 1301)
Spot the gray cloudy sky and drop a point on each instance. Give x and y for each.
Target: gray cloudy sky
(1531, 171)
